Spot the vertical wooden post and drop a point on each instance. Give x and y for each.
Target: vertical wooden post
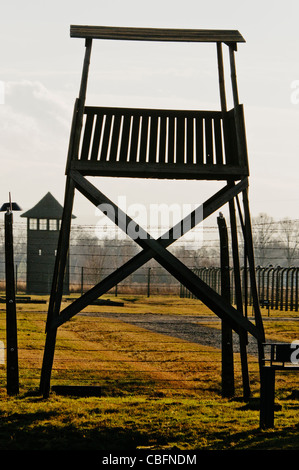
(82, 279)
(239, 300)
(247, 224)
(297, 293)
(253, 286)
(228, 388)
(235, 252)
(16, 278)
(221, 77)
(250, 254)
(267, 398)
(63, 242)
(239, 119)
(57, 289)
(233, 76)
(12, 367)
(149, 282)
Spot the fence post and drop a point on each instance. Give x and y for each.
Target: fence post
(16, 278)
(12, 366)
(296, 296)
(148, 281)
(82, 279)
(277, 287)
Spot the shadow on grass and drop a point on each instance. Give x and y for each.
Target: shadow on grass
(34, 431)
(273, 439)
(54, 429)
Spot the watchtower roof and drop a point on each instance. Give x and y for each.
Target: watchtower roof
(156, 34)
(47, 208)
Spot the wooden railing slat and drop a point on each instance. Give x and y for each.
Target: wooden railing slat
(115, 139)
(209, 141)
(125, 138)
(106, 137)
(153, 139)
(199, 141)
(87, 137)
(190, 141)
(143, 139)
(218, 141)
(134, 139)
(180, 139)
(96, 137)
(170, 155)
(162, 141)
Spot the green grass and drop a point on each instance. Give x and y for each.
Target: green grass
(127, 423)
(165, 404)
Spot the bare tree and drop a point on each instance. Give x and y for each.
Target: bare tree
(89, 253)
(289, 236)
(263, 230)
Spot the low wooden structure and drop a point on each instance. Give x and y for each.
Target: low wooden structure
(283, 357)
(163, 144)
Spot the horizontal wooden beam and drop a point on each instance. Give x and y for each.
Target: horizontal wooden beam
(156, 34)
(159, 170)
(118, 111)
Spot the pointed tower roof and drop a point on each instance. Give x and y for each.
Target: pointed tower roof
(47, 208)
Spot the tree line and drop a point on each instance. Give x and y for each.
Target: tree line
(276, 243)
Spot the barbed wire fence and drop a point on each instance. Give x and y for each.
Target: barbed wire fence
(92, 259)
(121, 355)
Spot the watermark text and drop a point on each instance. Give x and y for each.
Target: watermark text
(167, 221)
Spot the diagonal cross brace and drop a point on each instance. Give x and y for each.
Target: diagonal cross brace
(183, 274)
(208, 207)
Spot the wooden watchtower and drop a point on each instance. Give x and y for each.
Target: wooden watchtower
(165, 144)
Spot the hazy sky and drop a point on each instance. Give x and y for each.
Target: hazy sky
(41, 69)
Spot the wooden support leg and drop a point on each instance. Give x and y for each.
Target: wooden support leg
(228, 387)
(250, 254)
(57, 289)
(239, 299)
(48, 363)
(267, 397)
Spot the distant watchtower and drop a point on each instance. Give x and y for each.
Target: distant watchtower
(43, 224)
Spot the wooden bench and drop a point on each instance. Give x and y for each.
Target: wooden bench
(277, 356)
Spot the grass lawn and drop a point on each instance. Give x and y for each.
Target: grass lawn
(157, 392)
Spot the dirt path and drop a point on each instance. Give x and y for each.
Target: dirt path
(186, 327)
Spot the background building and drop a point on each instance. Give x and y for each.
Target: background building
(43, 224)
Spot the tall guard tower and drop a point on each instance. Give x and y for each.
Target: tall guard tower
(164, 144)
(42, 237)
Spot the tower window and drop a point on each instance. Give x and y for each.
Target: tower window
(52, 224)
(32, 224)
(43, 224)
(39, 252)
